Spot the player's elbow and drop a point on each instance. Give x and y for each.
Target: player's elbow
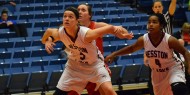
(46, 35)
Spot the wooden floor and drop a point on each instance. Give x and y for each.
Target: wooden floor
(125, 87)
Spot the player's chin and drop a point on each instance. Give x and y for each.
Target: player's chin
(80, 19)
(67, 26)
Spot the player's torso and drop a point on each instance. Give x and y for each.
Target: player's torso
(79, 50)
(160, 57)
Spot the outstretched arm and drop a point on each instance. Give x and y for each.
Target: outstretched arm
(139, 44)
(108, 29)
(102, 24)
(172, 7)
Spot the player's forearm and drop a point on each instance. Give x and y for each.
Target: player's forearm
(99, 32)
(123, 51)
(46, 36)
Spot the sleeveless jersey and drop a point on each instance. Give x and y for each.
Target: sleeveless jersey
(161, 58)
(81, 53)
(99, 40)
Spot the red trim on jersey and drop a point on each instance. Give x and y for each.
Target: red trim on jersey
(99, 41)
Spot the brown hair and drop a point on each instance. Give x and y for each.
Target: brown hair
(156, 1)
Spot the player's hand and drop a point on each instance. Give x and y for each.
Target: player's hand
(109, 59)
(125, 35)
(49, 46)
(9, 23)
(122, 33)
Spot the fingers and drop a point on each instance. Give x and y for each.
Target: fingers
(108, 60)
(48, 50)
(129, 36)
(124, 34)
(49, 46)
(53, 44)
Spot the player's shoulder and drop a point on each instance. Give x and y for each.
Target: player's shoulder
(60, 28)
(100, 24)
(83, 27)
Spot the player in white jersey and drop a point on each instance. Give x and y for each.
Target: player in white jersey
(168, 74)
(158, 7)
(85, 62)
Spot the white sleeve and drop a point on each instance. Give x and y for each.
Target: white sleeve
(61, 28)
(83, 31)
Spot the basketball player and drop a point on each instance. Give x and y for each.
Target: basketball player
(168, 72)
(85, 15)
(85, 62)
(158, 7)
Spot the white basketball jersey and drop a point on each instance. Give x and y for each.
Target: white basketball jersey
(81, 52)
(161, 59)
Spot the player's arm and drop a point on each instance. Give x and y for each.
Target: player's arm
(100, 24)
(108, 29)
(139, 44)
(172, 7)
(51, 34)
(174, 44)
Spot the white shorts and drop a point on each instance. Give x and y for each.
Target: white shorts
(176, 74)
(77, 81)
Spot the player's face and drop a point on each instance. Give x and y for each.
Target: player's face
(69, 19)
(4, 16)
(157, 8)
(154, 24)
(83, 13)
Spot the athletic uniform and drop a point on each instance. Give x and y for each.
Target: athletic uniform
(85, 63)
(99, 43)
(166, 29)
(165, 65)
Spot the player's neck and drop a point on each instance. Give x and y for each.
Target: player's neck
(158, 36)
(72, 31)
(86, 23)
